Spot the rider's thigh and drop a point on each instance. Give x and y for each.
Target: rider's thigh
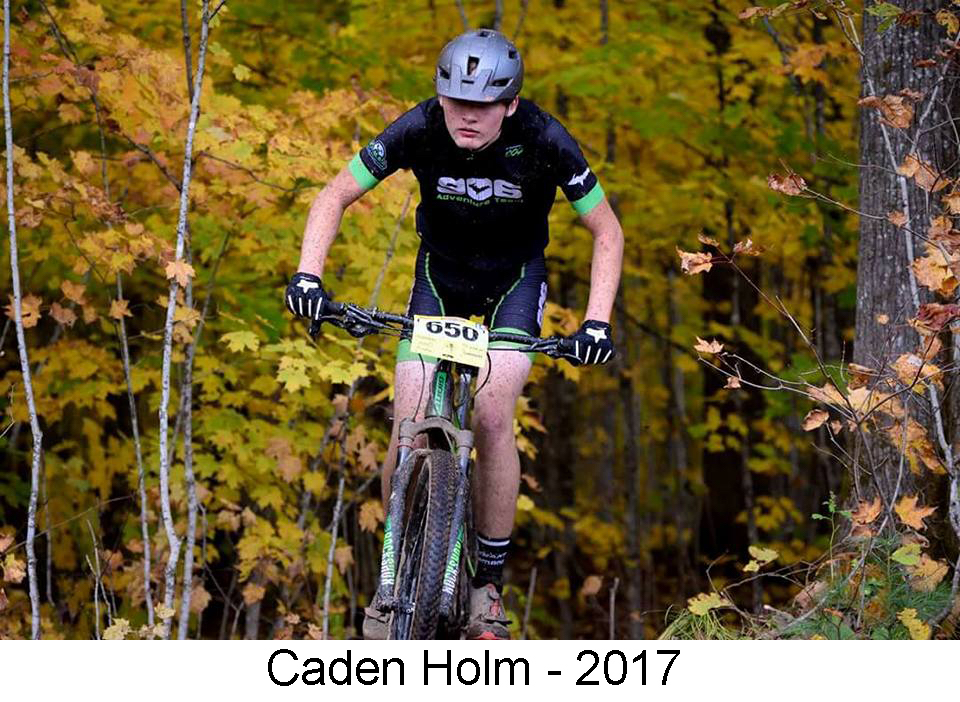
(411, 388)
(500, 385)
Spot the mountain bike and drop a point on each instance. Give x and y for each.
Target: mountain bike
(429, 543)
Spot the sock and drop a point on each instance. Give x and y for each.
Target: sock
(491, 555)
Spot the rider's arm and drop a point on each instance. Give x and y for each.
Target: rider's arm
(607, 260)
(323, 222)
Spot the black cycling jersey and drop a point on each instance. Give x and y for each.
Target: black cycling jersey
(483, 210)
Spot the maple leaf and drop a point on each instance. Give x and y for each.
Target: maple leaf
(860, 375)
(912, 370)
(89, 314)
(923, 173)
(747, 248)
(897, 218)
(368, 457)
(371, 514)
(120, 309)
(708, 240)
(293, 373)
(591, 585)
(29, 310)
(918, 630)
(708, 346)
(908, 555)
(867, 512)
(117, 631)
(933, 317)
(927, 574)
(13, 570)
(163, 612)
(952, 201)
(703, 603)
(253, 593)
(828, 395)
(934, 272)
(912, 515)
(790, 184)
(240, 340)
(63, 315)
(693, 263)
(73, 292)
(895, 110)
(733, 382)
(949, 21)
(181, 270)
(343, 557)
(814, 419)
(524, 503)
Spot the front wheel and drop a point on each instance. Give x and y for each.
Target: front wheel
(423, 554)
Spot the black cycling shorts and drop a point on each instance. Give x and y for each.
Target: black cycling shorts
(509, 302)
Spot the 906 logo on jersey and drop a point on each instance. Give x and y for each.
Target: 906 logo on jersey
(476, 190)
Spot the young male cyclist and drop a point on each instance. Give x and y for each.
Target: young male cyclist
(488, 165)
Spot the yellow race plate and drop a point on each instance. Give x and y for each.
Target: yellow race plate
(453, 338)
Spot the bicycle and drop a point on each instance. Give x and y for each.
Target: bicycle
(429, 542)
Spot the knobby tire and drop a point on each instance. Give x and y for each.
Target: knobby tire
(424, 552)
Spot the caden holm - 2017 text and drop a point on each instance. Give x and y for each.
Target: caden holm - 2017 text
(283, 670)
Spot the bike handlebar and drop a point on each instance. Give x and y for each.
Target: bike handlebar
(360, 321)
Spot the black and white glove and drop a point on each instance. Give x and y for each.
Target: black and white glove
(592, 344)
(305, 295)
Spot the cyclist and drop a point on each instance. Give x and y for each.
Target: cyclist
(488, 165)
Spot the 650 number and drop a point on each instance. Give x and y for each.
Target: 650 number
(453, 330)
(615, 666)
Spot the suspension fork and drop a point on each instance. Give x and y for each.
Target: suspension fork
(457, 530)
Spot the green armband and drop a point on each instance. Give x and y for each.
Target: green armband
(358, 169)
(586, 203)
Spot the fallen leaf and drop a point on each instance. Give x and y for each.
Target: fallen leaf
(867, 512)
(912, 515)
(814, 419)
(708, 346)
(703, 603)
(908, 555)
(918, 630)
(790, 184)
(591, 586)
(927, 574)
(181, 270)
(693, 263)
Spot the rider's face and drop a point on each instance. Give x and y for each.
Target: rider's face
(474, 125)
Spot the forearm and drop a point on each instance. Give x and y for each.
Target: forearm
(323, 223)
(605, 269)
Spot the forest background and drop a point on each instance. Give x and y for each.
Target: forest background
(733, 473)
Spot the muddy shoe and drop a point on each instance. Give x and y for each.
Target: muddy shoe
(376, 623)
(486, 615)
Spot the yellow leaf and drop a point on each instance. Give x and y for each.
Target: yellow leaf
(241, 72)
(13, 570)
(343, 557)
(199, 599)
(293, 373)
(73, 292)
(703, 603)
(371, 514)
(240, 340)
(918, 630)
(763, 555)
(253, 593)
(912, 515)
(927, 574)
(164, 612)
(524, 503)
(867, 512)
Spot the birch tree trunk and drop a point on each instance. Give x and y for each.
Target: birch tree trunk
(21, 341)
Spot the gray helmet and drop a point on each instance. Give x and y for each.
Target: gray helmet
(480, 66)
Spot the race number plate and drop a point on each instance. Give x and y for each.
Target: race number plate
(452, 338)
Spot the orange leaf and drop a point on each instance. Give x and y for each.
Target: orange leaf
(73, 292)
(815, 418)
(181, 270)
(693, 263)
(790, 184)
(29, 309)
(591, 586)
(897, 218)
(253, 593)
(708, 346)
(119, 309)
(912, 515)
(63, 315)
(371, 514)
(343, 557)
(867, 512)
(923, 173)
